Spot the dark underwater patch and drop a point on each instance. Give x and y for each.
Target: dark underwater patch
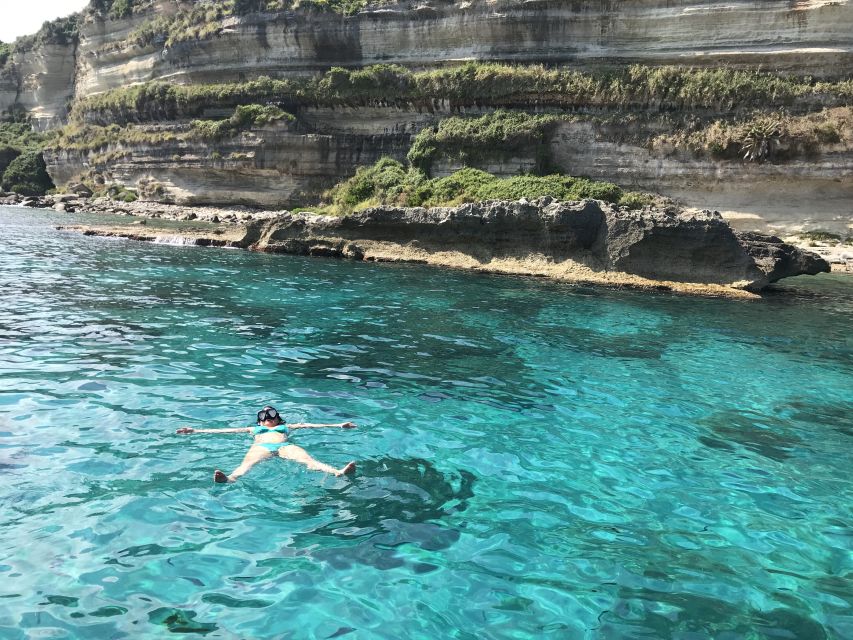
(753, 433)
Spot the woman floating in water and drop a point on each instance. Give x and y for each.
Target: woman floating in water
(271, 439)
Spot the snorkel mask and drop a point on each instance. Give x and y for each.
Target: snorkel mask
(269, 413)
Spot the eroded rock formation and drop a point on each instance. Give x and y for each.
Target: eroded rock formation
(581, 241)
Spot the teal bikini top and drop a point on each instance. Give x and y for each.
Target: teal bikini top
(281, 428)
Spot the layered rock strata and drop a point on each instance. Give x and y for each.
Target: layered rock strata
(270, 167)
(274, 168)
(813, 37)
(282, 166)
(806, 37)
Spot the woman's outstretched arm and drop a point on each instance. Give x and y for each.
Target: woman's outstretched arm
(188, 430)
(311, 425)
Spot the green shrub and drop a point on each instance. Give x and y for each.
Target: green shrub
(21, 136)
(390, 182)
(557, 186)
(583, 188)
(120, 193)
(637, 200)
(7, 154)
(5, 53)
(369, 184)
(469, 140)
(820, 236)
(461, 186)
(62, 31)
(121, 8)
(111, 8)
(244, 117)
(27, 175)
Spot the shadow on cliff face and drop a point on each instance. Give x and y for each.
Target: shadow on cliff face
(391, 502)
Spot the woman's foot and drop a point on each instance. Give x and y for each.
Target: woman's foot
(346, 470)
(219, 476)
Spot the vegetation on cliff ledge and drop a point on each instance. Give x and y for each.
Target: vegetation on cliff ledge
(204, 18)
(390, 182)
(474, 84)
(764, 136)
(88, 137)
(244, 117)
(62, 31)
(473, 140)
(117, 8)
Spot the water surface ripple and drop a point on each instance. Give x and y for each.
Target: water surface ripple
(536, 460)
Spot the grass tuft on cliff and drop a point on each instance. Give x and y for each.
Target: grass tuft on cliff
(390, 182)
(764, 136)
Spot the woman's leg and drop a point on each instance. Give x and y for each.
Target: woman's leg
(253, 456)
(298, 454)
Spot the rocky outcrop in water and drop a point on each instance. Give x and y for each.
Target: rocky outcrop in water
(583, 241)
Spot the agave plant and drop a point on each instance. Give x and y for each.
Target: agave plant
(760, 138)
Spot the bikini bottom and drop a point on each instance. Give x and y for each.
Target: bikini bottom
(272, 447)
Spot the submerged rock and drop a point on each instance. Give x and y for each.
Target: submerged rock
(582, 241)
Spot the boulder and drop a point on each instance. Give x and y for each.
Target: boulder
(80, 189)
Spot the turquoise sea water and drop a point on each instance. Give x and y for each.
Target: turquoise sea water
(536, 460)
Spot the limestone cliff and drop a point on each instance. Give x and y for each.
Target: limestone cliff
(270, 167)
(812, 37)
(46, 76)
(275, 167)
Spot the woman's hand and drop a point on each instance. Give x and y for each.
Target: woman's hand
(348, 425)
(185, 430)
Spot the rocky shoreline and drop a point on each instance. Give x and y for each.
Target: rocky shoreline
(694, 252)
(838, 253)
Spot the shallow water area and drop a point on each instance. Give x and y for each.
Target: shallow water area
(536, 460)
